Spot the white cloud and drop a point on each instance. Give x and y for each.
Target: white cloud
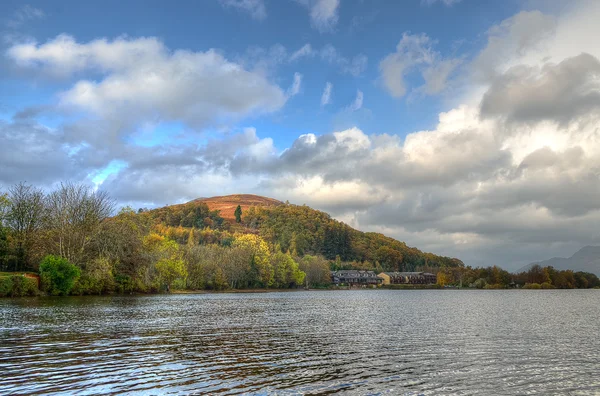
(141, 78)
(358, 102)
(415, 52)
(323, 13)
(296, 85)
(511, 40)
(256, 8)
(305, 51)
(326, 97)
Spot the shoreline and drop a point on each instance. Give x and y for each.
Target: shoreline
(259, 291)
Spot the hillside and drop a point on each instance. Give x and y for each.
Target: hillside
(586, 259)
(226, 204)
(298, 229)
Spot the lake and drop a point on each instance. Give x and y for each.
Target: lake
(351, 342)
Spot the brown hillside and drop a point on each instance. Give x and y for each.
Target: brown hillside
(227, 204)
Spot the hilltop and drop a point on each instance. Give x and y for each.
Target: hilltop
(586, 259)
(299, 229)
(226, 204)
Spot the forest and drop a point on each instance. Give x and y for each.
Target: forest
(74, 242)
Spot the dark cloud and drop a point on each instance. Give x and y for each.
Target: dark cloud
(561, 92)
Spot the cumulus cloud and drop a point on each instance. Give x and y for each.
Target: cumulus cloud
(143, 79)
(256, 8)
(512, 40)
(323, 13)
(415, 52)
(33, 152)
(326, 97)
(562, 92)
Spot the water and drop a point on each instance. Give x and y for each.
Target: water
(351, 342)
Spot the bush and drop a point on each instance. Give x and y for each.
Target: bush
(479, 283)
(124, 284)
(547, 285)
(96, 278)
(58, 275)
(495, 286)
(18, 286)
(532, 286)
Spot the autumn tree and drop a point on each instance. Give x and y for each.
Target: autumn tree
(259, 257)
(316, 269)
(286, 271)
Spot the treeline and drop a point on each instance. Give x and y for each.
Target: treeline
(304, 230)
(497, 278)
(69, 237)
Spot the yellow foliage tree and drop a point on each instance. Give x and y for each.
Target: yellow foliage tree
(442, 278)
(260, 256)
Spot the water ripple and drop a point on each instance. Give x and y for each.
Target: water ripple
(359, 342)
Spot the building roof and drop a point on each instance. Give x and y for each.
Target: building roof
(353, 274)
(394, 274)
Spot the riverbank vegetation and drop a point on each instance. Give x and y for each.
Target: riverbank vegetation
(74, 241)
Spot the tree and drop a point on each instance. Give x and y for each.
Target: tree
(259, 256)
(74, 214)
(25, 218)
(170, 269)
(316, 269)
(58, 275)
(286, 271)
(442, 279)
(238, 214)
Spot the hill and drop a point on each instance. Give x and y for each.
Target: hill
(298, 229)
(586, 259)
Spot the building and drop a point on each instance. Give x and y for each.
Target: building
(355, 278)
(409, 278)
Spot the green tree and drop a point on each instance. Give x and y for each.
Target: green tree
(286, 271)
(238, 214)
(170, 269)
(58, 275)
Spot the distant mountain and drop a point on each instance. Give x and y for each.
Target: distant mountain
(587, 259)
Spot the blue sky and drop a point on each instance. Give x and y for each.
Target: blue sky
(364, 28)
(462, 127)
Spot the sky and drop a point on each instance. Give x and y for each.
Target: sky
(465, 128)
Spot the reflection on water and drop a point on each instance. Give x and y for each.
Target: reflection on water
(357, 342)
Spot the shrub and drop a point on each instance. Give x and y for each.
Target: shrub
(479, 283)
(17, 286)
(547, 285)
(124, 283)
(495, 286)
(58, 275)
(96, 278)
(532, 286)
